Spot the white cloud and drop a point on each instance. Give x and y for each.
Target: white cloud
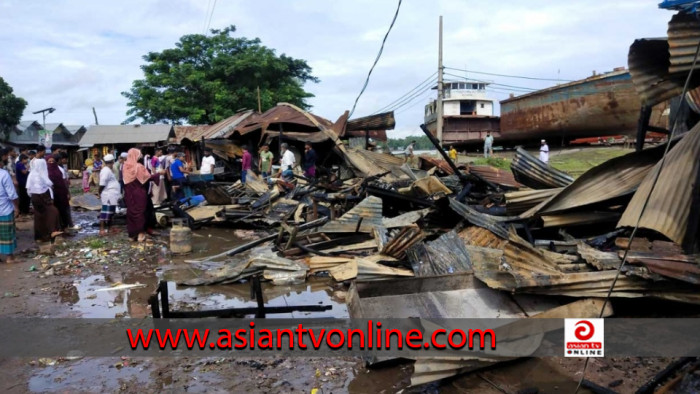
(74, 55)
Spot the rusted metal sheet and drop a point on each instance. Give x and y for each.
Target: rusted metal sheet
(683, 39)
(614, 178)
(681, 270)
(520, 201)
(466, 130)
(290, 117)
(599, 105)
(673, 205)
(401, 240)
(427, 162)
(313, 137)
(531, 172)
(192, 133)
(227, 127)
(648, 61)
(368, 163)
(363, 217)
(384, 121)
(495, 175)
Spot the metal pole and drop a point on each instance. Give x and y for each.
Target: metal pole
(440, 90)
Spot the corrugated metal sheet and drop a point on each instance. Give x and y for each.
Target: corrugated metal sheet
(296, 119)
(520, 201)
(683, 39)
(383, 121)
(428, 162)
(227, 127)
(192, 133)
(530, 171)
(314, 137)
(369, 210)
(445, 255)
(495, 175)
(669, 208)
(369, 163)
(614, 178)
(127, 134)
(489, 222)
(648, 61)
(399, 240)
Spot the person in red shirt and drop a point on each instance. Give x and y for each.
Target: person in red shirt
(245, 164)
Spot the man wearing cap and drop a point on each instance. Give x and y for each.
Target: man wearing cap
(544, 152)
(208, 162)
(110, 191)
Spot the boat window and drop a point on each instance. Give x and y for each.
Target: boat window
(475, 86)
(482, 105)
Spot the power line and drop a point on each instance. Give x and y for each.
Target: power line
(381, 49)
(429, 79)
(509, 76)
(411, 106)
(408, 100)
(206, 13)
(213, 7)
(496, 84)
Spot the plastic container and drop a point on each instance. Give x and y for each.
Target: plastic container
(180, 237)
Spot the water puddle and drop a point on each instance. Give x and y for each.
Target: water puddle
(94, 375)
(91, 297)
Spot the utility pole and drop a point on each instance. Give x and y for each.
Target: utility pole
(440, 90)
(95, 113)
(259, 105)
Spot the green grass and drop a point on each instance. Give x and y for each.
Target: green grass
(576, 163)
(497, 162)
(96, 243)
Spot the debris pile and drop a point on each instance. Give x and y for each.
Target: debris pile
(443, 241)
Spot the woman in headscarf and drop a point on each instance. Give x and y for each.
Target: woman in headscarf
(61, 195)
(140, 215)
(40, 189)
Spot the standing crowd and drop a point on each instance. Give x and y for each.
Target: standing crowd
(36, 183)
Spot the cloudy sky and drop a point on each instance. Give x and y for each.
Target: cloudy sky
(75, 55)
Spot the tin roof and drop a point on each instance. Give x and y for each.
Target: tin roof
(127, 134)
(670, 208)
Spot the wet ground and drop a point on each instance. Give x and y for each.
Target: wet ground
(76, 280)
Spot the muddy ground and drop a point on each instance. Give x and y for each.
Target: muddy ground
(63, 284)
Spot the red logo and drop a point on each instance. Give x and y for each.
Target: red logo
(584, 332)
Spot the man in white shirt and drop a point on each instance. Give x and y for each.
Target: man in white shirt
(544, 152)
(287, 163)
(110, 191)
(208, 162)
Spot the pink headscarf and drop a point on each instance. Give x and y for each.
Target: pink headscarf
(133, 170)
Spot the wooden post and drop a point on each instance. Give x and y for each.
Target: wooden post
(259, 104)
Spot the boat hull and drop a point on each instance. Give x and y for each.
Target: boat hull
(606, 104)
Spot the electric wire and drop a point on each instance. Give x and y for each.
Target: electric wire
(494, 83)
(381, 49)
(644, 206)
(508, 76)
(213, 7)
(429, 79)
(408, 99)
(206, 14)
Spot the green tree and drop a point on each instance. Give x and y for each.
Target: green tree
(11, 107)
(205, 79)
